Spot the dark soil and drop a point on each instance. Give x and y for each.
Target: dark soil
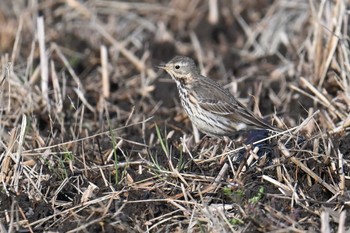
(82, 160)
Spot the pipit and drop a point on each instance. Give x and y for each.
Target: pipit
(211, 108)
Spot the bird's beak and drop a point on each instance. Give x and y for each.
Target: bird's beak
(162, 66)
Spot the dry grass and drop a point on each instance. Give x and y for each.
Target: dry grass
(93, 139)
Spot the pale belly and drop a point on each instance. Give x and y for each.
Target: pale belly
(209, 123)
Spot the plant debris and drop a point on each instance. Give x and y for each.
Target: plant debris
(93, 137)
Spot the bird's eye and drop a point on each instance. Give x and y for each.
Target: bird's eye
(177, 67)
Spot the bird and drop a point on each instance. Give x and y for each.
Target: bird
(211, 108)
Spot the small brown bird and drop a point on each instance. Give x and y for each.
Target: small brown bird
(211, 108)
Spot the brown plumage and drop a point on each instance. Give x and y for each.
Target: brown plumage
(211, 108)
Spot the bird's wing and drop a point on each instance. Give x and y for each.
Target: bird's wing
(234, 111)
(219, 101)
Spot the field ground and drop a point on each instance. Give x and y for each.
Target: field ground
(93, 138)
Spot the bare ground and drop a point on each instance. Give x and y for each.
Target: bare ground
(93, 138)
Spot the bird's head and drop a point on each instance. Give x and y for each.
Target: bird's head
(181, 69)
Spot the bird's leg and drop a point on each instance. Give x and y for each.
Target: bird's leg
(203, 142)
